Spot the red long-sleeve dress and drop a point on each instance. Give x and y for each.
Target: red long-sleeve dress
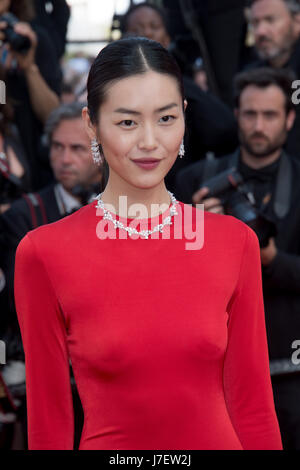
(167, 344)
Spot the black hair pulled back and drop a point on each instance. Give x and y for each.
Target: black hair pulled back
(122, 59)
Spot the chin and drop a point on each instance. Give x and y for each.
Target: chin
(146, 186)
(259, 153)
(147, 183)
(68, 185)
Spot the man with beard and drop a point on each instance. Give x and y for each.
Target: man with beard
(265, 115)
(276, 28)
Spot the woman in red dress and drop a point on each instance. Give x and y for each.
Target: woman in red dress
(158, 305)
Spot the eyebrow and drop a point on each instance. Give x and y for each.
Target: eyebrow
(249, 110)
(74, 144)
(131, 111)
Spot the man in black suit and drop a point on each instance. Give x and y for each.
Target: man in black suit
(265, 115)
(276, 29)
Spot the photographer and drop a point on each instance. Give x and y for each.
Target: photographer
(32, 79)
(275, 25)
(265, 115)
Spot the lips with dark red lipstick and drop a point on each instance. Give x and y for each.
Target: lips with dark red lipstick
(147, 163)
(146, 160)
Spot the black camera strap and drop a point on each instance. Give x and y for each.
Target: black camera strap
(282, 196)
(37, 209)
(282, 191)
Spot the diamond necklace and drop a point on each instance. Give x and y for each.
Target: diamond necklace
(117, 224)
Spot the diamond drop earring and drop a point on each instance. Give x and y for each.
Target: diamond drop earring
(181, 150)
(96, 152)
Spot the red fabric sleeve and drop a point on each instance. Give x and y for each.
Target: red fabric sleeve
(48, 387)
(246, 375)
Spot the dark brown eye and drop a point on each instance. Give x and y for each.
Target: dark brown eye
(126, 123)
(167, 118)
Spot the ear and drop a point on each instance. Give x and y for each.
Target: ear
(185, 103)
(290, 119)
(89, 126)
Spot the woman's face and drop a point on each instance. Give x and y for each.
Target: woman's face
(142, 118)
(145, 21)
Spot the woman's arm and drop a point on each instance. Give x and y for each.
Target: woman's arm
(48, 388)
(43, 99)
(246, 376)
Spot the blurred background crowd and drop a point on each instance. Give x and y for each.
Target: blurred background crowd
(240, 60)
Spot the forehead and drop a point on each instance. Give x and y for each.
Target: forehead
(263, 8)
(143, 91)
(143, 15)
(270, 97)
(70, 129)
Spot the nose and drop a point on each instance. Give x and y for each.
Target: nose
(261, 29)
(148, 139)
(259, 124)
(66, 157)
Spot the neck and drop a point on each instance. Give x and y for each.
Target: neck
(69, 191)
(259, 162)
(280, 60)
(130, 202)
(92, 181)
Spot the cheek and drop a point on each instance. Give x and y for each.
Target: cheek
(116, 144)
(245, 126)
(54, 161)
(282, 31)
(117, 148)
(176, 135)
(159, 33)
(83, 161)
(172, 145)
(281, 129)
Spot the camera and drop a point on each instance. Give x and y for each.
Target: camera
(239, 201)
(18, 42)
